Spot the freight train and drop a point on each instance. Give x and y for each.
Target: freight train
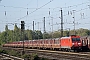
(70, 43)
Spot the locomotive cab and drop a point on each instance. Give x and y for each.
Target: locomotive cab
(76, 42)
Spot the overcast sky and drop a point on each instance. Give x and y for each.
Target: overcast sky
(14, 11)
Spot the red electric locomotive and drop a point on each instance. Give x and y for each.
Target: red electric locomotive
(71, 43)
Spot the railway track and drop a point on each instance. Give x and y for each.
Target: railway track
(56, 55)
(4, 57)
(8, 57)
(60, 55)
(85, 52)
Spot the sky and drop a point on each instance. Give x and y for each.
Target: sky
(14, 11)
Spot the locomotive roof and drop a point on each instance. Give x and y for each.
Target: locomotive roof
(64, 37)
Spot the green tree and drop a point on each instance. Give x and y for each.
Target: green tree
(37, 34)
(46, 35)
(6, 28)
(28, 34)
(56, 34)
(16, 33)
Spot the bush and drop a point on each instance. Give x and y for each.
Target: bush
(3, 51)
(25, 56)
(36, 57)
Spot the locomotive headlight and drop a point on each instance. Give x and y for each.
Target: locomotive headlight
(73, 43)
(79, 43)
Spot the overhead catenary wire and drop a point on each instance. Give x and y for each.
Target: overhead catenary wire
(50, 8)
(36, 9)
(67, 13)
(73, 5)
(63, 15)
(46, 8)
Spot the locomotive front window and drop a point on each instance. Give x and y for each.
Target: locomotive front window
(75, 39)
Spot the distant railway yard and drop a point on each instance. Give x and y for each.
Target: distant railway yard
(54, 55)
(45, 30)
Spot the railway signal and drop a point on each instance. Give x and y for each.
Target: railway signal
(22, 25)
(22, 34)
